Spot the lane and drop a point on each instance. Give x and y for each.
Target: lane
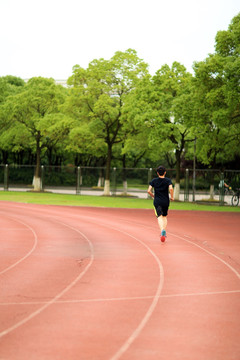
(196, 314)
(199, 309)
(12, 251)
(200, 301)
(115, 272)
(40, 275)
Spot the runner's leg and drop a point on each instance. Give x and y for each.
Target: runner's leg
(162, 222)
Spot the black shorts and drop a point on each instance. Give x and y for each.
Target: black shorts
(161, 210)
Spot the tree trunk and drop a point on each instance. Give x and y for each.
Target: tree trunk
(108, 170)
(177, 184)
(211, 192)
(100, 179)
(211, 186)
(124, 175)
(37, 175)
(5, 156)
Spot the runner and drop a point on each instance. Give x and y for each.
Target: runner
(162, 186)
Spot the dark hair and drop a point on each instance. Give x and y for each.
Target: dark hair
(161, 170)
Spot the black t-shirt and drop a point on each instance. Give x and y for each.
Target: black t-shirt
(161, 190)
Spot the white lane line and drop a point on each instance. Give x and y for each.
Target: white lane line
(155, 298)
(134, 335)
(143, 322)
(29, 253)
(193, 243)
(150, 310)
(53, 300)
(210, 253)
(132, 298)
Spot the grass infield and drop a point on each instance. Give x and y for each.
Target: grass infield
(102, 201)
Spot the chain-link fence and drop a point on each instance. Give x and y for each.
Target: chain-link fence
(211, 185)
(203, 185)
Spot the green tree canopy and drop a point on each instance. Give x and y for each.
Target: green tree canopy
(9, 85)
(217, 99)
(159, 113)
(32, 118)
(96, 102)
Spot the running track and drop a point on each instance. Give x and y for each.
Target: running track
(96, 283)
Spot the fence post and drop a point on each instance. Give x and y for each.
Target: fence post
(149, 174)
(42, 178)
(194, 171)
(114, 184)
(149, 179)
(6, 177)
(186, 190)
(79, 176)
(221, 190)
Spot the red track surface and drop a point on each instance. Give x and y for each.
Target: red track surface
(96, 283)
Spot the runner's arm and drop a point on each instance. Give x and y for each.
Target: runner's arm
(171, 192)
(150, 191)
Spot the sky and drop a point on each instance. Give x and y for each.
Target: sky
(48, 37)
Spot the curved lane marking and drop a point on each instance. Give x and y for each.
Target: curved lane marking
(210, 253)
(29, 253)
(67, 288)
(193, 243)
(151, 309)
(156, 297)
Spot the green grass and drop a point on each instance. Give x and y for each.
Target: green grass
(102, 201)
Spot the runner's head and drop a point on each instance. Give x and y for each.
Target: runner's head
(161, 170)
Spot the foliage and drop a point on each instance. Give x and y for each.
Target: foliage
(217, 99)
(9, 85)
(115, 112)
(96, 101)
(32, 118)
(159, 113)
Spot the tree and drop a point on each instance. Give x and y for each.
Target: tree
(159, 111)
(217, 99)
(96, 103)
(32, 118)
(9, 85)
